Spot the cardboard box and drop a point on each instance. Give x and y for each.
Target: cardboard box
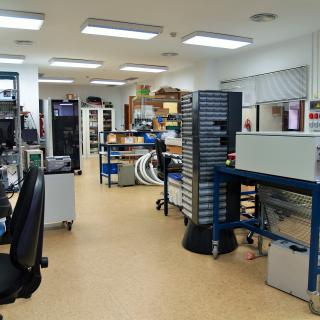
(139, 139)
(171, 106)
(127, 140)
(174, 149)
(131, 140)
(70, 96)
(162, 112)
(111, 138)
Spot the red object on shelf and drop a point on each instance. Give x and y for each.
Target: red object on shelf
(232, 156)
(316, 116)
(310, 116)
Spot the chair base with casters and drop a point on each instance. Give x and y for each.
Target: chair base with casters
(159, 204)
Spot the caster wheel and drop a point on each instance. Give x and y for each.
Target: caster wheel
(158, 202)
(80, 172)
(158, 208)
(185, 221)
(313, 309)
(69, 225)
(250, 240)
(215, 253)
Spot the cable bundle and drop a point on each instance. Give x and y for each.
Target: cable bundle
(145, 172)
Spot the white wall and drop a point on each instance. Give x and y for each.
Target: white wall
(208, 74)
(29, 88)
(292, 53)
(202, 75)
(269, 121)
(107, 94)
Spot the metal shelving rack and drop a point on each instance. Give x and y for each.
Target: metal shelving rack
(142, 102)
(10, 109)
(105, 150)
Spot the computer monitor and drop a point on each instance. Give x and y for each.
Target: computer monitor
(29, 136)
(7, 132)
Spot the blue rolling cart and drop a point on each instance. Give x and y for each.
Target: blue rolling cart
(225, 174)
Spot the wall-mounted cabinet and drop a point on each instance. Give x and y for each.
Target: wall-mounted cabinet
(95, 120)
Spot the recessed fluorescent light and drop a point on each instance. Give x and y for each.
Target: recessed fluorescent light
(21, 20)
(143, 68)
(107, 82)
(216, 40)
(120, 29)
(8, 58)
(55, 80)
(75, 63)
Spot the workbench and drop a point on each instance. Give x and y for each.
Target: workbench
(224, 174)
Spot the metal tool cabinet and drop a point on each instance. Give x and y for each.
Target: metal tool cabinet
(224, 174)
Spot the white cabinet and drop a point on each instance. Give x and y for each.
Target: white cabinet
(60, 198)
(95, 120)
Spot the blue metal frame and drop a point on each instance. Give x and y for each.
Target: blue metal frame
(109, 148)
(224, 174)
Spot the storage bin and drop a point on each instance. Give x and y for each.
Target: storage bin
(113, 168)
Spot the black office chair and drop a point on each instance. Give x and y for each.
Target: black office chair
(5, 212)
(20, 274)
(172, 166)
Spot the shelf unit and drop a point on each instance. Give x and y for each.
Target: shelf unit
(106, 150)
(95, 120)
(10, 111)
(145, 108)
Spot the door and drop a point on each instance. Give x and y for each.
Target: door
(126, 117)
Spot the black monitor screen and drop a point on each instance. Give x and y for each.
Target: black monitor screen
(29, 135)
(7, 132)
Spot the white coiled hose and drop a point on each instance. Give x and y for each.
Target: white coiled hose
(145, 172)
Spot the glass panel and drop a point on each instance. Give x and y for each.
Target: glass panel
(107, 120)
(93, 131)
(285, 116)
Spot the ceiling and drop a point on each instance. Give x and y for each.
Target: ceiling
(60, 35)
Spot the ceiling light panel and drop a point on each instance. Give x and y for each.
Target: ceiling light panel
(107, 82)
(75, 63)
(120, 29)
(7, 58)
(143, 68)
(216, 40)
(21, 20)
(55, 80)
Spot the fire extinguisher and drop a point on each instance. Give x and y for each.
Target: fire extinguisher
(42, 131)
(247, 125)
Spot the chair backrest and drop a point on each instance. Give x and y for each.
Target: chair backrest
(160, 148)
(27, 222)
(5, 206)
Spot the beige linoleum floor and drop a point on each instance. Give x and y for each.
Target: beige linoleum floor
(123, 260)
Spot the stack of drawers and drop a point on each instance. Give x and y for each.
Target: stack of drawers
(204, 145)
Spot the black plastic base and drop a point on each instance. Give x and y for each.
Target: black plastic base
(198, 239)
(6, 239)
